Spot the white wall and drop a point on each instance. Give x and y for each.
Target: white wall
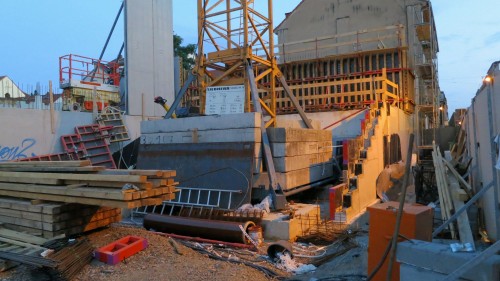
(149, 55)
(482, 126)
(27, 132)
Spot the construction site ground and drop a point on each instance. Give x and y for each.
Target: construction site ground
(160, 261)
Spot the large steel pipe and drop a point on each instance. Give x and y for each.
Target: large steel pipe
(217, 230)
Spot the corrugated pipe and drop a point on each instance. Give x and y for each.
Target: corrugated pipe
(210, 229)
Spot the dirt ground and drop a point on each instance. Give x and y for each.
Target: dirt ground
(161, 262)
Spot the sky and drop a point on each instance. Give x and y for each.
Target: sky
(36, 33)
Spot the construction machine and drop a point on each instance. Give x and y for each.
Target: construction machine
(163, 102)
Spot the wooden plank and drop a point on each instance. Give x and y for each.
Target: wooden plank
(161, 182)
(143, 185)
(81, 177)
(468, 188)
(32, 180)
(463, 223)
(73, 199)
(22, 244)
(84, 192)
(55, 169)
(148, 173)
(23, 237)
(79, 163)
(21, 214)
(445, 192)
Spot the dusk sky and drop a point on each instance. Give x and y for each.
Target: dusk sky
(36, 33)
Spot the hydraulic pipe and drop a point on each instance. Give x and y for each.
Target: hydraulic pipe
(210, 229)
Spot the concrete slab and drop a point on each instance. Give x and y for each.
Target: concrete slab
(298, 177)
(288, 164)
(203, 123)
(213, 136)
(418, 259)
(300, 148)
(279, 226)
(285, 135)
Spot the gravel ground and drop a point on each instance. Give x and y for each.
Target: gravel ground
(158, 262)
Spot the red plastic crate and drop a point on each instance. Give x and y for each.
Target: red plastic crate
(121, 249)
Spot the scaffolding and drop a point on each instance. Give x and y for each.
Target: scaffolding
(234, 34)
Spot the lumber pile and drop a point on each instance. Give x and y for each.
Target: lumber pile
(79, 182)
(49, 219)
(453, 191)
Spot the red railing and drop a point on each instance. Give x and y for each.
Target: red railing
(88, 70)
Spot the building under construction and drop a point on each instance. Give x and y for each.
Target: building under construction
(281, 131)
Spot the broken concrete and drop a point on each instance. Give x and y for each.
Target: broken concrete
(279, 226)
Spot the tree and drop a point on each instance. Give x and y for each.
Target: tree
(186, 53)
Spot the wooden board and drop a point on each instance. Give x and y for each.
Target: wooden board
(81, 177)
(54, 169)
(80, 163)
(142, 185)
(88, 201)
(32, 180)
(149, 173)
(23, 237)
(102, 193)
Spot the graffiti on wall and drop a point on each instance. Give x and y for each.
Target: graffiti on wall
(20, 151)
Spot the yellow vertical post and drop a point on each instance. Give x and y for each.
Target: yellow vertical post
(274, 65)
(200, 59)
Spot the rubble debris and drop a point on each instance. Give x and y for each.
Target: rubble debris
(287, 263)
(202, 240)
(264, 205)
(229, 257)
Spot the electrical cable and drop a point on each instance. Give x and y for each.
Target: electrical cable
(211, 254)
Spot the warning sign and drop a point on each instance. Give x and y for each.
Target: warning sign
(225, 100)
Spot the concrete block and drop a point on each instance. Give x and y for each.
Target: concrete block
(203, 123)
(284, 135)
(278, 226)
(292, 163)
(297, 178)
(280, 149)
(230, 135)
(423, 255)
(121, 249)
(288, 164)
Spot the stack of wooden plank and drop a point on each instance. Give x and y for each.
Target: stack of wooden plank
(49, 219)
(78, 182)
(452, 196)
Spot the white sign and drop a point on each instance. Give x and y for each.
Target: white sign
(225, 100)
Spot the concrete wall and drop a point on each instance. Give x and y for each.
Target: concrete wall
(149, 55)
(349, 21)
(482, 126)
(27, 132)
(397, 122)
